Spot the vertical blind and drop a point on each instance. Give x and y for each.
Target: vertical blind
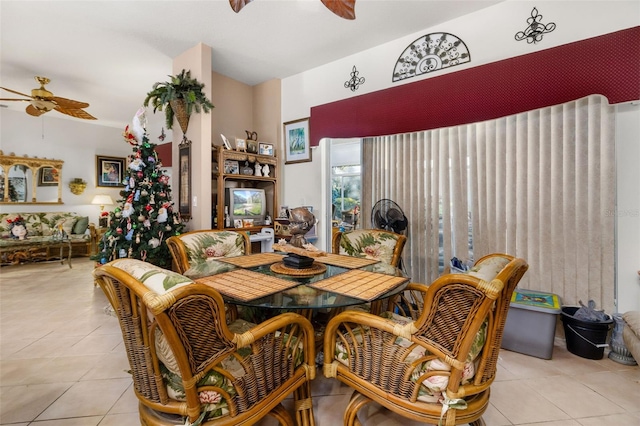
(538, 185)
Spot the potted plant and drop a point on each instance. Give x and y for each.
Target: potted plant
(180, 97)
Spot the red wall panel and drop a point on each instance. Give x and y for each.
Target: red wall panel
(608, 65)
(164, 154)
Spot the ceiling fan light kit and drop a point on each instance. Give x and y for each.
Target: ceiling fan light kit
(42, 101)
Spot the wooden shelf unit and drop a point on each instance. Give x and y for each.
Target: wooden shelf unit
(220, 181)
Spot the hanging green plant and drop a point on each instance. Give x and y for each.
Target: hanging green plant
(179, 97)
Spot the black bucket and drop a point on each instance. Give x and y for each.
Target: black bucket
(585, 338)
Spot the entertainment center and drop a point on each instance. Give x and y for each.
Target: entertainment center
(242, 200)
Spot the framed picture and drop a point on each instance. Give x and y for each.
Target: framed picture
(252, 147)
(237, 223)
(48, 176)
(225, 142)
(231, 167)
(109, 171)
(246, 223)
(241, 145)
(297, 148)
(265, 148)
(283, 213)
(184, 175)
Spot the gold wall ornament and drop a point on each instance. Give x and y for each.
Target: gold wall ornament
(77, 186)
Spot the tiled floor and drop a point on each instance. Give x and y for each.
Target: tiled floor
(62, 363)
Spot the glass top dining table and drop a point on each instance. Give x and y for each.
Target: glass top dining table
(302, 295)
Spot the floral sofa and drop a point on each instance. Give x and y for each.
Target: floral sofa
(41, 226)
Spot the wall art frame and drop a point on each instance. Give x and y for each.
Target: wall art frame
(184, 179)
(265, 149)
(48, 176)
(231, 167)
(241, 145)
(110, 171)
(252, 146)
(297, 144)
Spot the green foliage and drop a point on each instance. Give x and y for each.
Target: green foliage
(181, 86)
(145, 219)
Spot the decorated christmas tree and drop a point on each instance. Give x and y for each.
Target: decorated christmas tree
(140, 227)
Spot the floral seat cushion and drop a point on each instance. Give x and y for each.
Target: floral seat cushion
(205, 246)
(369, 245)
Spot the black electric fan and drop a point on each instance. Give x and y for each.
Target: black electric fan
(388, 215)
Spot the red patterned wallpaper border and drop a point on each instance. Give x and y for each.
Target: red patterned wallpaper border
(608, 65)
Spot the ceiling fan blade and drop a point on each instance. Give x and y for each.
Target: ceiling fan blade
(343, 8)
(237, 5)
(19, 100)
(13, 91)
(31, 110)
(69, 103)
(75, 112)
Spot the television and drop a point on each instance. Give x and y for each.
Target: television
(246, 203)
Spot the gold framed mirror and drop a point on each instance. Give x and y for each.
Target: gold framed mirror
(26, 180)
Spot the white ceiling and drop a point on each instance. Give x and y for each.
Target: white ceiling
(109, 53)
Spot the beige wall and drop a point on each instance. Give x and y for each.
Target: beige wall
(233, 112)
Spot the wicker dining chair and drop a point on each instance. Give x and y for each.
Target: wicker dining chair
(385, 246)
(436, 368)
(188, 365)
(193, 249)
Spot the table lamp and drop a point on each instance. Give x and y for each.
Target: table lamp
(102, 200)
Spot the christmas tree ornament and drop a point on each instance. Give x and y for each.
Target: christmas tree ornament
(139, 124)
(122, 253)
(129, 235)
(128, 210)
(144, 193)
(136, 197)
(154, 242)
(162, 215)
(137, 165)
(119, 231)
(142, 218)
(147, 223)
(138, 238)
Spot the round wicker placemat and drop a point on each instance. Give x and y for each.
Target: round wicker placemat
(315, 269)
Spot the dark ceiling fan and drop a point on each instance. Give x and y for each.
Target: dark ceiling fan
(343, 8)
